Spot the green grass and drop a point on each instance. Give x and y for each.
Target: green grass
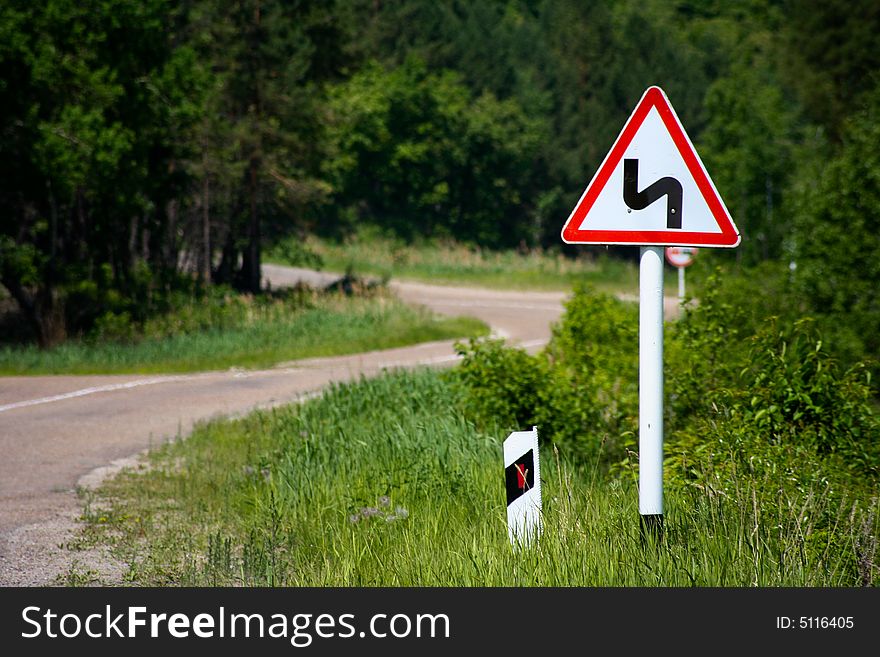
(383, 483)
(247, 335)
(453, 263)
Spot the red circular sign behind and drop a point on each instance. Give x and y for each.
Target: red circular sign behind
(680, 256)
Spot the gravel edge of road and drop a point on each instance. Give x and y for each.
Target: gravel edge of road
(51, 552)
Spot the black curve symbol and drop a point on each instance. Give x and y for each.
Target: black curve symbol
(637, 200)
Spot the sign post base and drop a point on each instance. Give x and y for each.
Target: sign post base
(652, 528)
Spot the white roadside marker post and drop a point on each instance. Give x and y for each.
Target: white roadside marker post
(680, 285)
(651, 388)
(522, 474)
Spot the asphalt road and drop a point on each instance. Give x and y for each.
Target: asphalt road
(60, 432)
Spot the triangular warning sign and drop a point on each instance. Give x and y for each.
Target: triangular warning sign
(652, 188)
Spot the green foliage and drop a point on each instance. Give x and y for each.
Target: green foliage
(503, 384)
(377, 253)
(837, 236)
(783, 402)
(798, 394)
(296, 253)
(759, 415)
(581, 392)
(748, 148)
(707, 347)
(441, 162)
(755, 394)
(225, 329)
(260, 135)
(577, 67)
(87, 151)
(596, 333)
(145, 140)
(383, 483)
(596, 373)
(830, 56)
(751, 390)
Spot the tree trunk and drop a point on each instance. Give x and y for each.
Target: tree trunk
(51, 322)
(224, 275)
(252, 255)
(205, 251)
(171, 255)
(42, 309)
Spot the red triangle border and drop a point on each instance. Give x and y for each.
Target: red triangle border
(729, 235)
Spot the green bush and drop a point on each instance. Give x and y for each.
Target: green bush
(784, 401)
(797, 393)
(761, 412)
(581, 392)
(113, 327)
(742, 358)
(597, 332)
(503, 384)
(295, 251)
(753, 399)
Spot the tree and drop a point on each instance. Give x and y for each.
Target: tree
(261, 133)
(416, 153)
(830, 53)
(749, 145)
(836, 244)
(87, 178)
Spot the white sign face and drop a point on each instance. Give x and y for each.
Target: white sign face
(652, 188)
(680, 256)
(522, 473)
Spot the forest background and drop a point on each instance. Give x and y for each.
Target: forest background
(153, 147)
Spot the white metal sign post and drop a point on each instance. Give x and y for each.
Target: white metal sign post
(681, 290)
(680, 257)
(652, 160)
(651, 385)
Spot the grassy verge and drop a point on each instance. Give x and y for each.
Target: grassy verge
(384, 483)
(453, 263)
(248, 334)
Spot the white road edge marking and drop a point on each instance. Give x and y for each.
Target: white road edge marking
(236, 373)
(90, 391)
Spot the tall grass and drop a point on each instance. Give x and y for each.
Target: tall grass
(455, 263)
(383, 483)
(248, 334)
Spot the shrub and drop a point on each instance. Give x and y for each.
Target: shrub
(784, 401)
(754, 399)
(503, 384)
(581, 392)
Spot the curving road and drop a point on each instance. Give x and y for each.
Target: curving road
(60, 432)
